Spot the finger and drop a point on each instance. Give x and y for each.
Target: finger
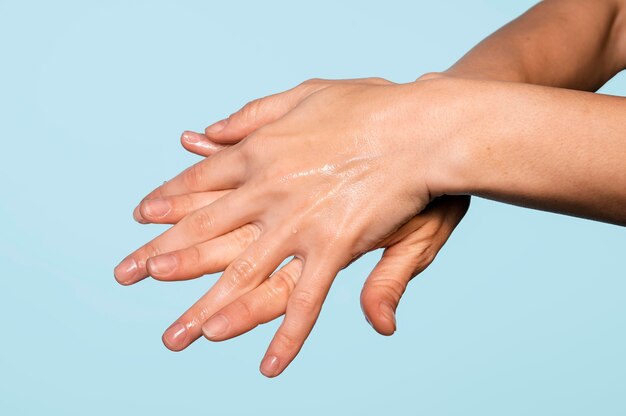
(385, 286)
(261, 305)
(200, 144)
(245, 273)
(224, 170)
(257, 114)
(405, 259)
(171, 209)
(303, 308)
(222, 216)
(205, 258)
(260, 112)
(251, 117)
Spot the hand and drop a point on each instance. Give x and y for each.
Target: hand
(407, 253)
(175, 185)
(418, 241)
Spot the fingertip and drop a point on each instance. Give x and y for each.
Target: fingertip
(383, 326)
(380, 317)
(270, 366)
(137, 215)
(122, 282)
(386, 319)
(190, 137)
(126, 272)
(388, 311)
(199, 144)
(152, 210)
(175, 337)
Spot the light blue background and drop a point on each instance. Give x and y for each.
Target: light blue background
(523, 312)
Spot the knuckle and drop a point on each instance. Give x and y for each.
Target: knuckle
(313, 82)
(431, 75)
(184, 204)
(151, 250)
(286, 341)
(422, 260)
(378, 80)
(191, 256)
(282, 283)
(303, 300)
(202, 222)
(252, 147)
(240, 272)
(428, 256)
(192, 177)
(251, 111)
(311, 85)
(422, 247)
(243, 310)
(253, 153)
(246, 235)
(423, 253)
(248, 147)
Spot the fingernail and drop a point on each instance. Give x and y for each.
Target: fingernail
(216, 127)
(215, 326)
(156, 208)
(367, 319)
(175, 336)
(388, 312)
(125, 271)
(269, 366)
(191, 137)
(161, 265)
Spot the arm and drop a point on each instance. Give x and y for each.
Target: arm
(482, 155)
(546, 148)
(555, 43)
(574, 44)
(345, 151)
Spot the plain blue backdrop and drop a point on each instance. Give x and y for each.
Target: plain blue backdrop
(523, 312)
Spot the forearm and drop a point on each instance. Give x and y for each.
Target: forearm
(574, 44)
(546, 148)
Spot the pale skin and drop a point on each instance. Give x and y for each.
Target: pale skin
(332, 169)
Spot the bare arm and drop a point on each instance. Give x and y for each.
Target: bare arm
(551, 149)
(576, 44)
(548, 148)
(535, 146)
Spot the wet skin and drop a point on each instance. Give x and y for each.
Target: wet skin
(311, 172)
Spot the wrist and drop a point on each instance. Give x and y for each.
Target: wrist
(448, 106)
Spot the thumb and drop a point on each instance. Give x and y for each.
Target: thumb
(258, 113)
(386, 284)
